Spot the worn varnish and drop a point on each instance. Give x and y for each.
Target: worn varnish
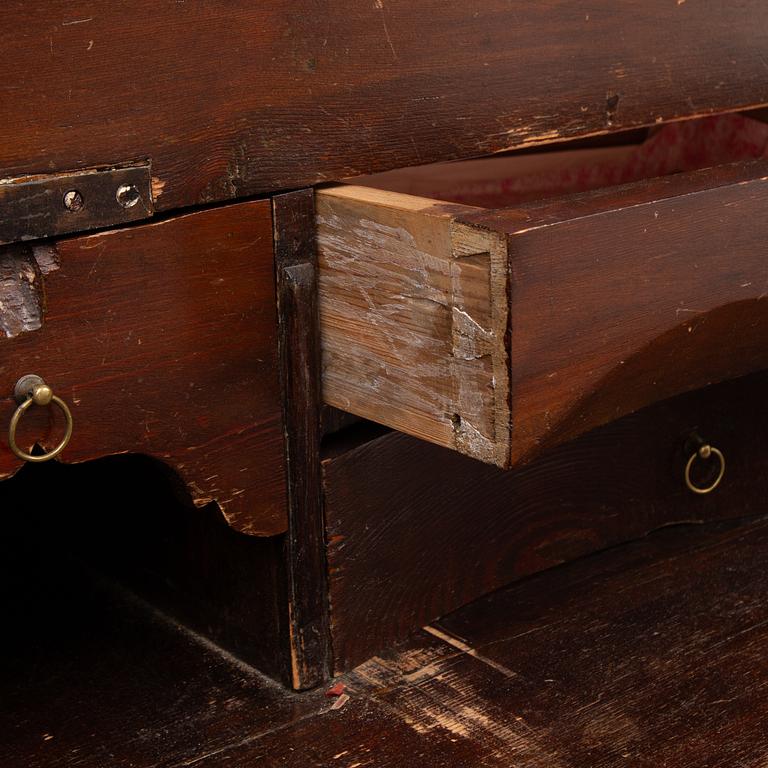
(503, 333)
(649, 654)
(415, 530)
(162, 339)
(228, 99)
(553, 170)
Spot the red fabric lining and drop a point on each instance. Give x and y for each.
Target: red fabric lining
(673, 148)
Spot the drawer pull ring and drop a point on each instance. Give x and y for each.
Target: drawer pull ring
(32, 390)
(705, 453)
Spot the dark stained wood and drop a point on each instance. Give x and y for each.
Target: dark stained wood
(92, 676)
(227, 99)
(130, 518)
(651, 654)
(226, 585)
(605, 200)
(415, 530)
(334, 420)
(305, 564)
(36, 206)
(622, 298)
(646, 656)
(503, 333)
(162, 338)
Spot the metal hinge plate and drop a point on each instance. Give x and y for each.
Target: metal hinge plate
(42, 205)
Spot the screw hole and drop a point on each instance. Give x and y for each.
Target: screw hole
(127, 195)
(73, 200)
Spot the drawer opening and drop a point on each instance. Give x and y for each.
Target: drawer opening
(93, 670)
(89, 547)
(521, 177)
(501, 306)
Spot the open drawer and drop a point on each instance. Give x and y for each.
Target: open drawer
(502, 331)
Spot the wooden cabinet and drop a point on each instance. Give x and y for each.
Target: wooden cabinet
(278, 276)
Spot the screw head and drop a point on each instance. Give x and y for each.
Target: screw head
(42, 394)
(73, 200)
(127, 195)
(705, 451)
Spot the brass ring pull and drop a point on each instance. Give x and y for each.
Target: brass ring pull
(705, 453)
(32, 390)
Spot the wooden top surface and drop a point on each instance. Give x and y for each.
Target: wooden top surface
(649, 654)
(235, 98)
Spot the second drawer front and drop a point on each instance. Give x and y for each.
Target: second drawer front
(162, 340)
(414, 530)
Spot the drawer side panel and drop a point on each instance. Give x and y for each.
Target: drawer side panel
(413, 319)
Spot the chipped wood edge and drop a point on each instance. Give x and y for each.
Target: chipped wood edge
(490, 341)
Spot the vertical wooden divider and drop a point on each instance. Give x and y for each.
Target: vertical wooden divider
(299, 355)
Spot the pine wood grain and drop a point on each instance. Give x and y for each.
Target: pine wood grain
(413, 317)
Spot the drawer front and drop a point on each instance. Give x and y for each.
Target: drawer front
(161, 339)
(503, 333)
(415, 530)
